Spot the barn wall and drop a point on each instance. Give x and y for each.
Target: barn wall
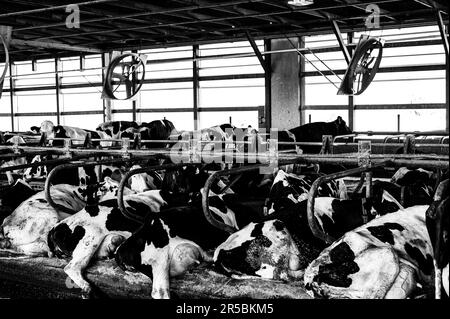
(285, 85)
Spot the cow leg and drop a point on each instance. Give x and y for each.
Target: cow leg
(445, 279)
(159, 259)
(38, 248)
(10, 177)
(108, 246)
(81, 257)
(404, 284)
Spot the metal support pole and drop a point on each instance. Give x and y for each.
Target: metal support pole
(442, 31)
(337, 33)
(258, 54)
(351, 99)
(266, 113)
(58, 90)
(302, 84)
(134, 85)
(195, 83)
(11, 91)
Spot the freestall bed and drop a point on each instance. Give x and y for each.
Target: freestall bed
(41, 277)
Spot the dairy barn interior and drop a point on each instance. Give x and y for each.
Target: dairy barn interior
(261, 149)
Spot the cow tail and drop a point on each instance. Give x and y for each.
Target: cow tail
(51, 243)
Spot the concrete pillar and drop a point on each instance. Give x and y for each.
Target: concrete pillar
(285, 95)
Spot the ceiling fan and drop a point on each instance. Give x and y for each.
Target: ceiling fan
(363, 66)
(124, 76)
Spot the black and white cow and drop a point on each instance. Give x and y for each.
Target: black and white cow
(265, 250)
(438, 226)
(94, 232)
(98, 229)
(288, 204)
(27, 173)
(11, 163)
(64, 131)
(11, 197)
(154, 130)
(25, 229)
(418, 185)
(384, 258)
(114, 129)
(159, 250)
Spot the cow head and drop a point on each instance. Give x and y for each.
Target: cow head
(141, 182)
(35, 172)
(186, 180)
(418, 185)
(341, 127)
(385, 198)
(265, 250)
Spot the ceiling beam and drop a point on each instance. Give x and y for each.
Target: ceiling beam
(432, 4)
(53, 45)
(52, 8)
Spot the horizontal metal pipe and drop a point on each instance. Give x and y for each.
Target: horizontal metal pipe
(350, 158)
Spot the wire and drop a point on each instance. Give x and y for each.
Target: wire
(318, 70)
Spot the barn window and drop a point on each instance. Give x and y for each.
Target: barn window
(231, 87)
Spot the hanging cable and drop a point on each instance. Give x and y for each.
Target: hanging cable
(318, 70)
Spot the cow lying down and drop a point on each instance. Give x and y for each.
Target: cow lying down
(384, 258)
(25, 229)
(248, 252)
(264, 250)
(96, 231)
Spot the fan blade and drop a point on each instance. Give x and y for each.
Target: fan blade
(119, 76)
(128, 88)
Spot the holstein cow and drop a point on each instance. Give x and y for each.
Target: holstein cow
(264, 250)
(212, 138)
(173, 240)
(28, 173)
(154, 130)
(384, 258)
(10, 163)
(13, 196)
(99, 228)
(26, 229)
(287, 204)
(115, 128)
(159, 250)
(418, 184)
(64, 131)
(313, 132)
(438, 226)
